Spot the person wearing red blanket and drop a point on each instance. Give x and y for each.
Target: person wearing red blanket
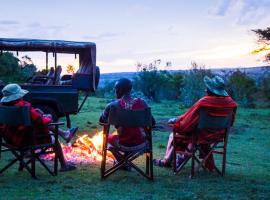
(125, 136)
(17, 136)
(216, 97)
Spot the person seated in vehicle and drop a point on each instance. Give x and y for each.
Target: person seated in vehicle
(17, 136)
(216, 97)
(125, 136)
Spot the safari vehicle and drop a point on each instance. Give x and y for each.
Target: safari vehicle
(60, 98)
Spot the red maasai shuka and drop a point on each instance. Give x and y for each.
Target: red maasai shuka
(218, 106)
(19, 136)
(187, 123)
(129, 136)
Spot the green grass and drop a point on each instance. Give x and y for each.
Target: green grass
(247, 175)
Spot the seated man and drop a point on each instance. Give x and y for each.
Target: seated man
(125, 136)
(17, 136)
(216, 97)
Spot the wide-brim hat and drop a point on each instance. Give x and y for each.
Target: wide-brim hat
(12, 92)
(216, 85)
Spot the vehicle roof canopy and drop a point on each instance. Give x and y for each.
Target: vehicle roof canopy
(86, 50)
(58, 46)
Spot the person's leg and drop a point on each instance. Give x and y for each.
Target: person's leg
(168, 157)
(66, 135)
(210, 162)
(169, 150)
(64, 165)
(166, 161)
(113, 143)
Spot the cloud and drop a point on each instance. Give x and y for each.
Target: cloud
(222, 8)
(246, 12)
(8, 22)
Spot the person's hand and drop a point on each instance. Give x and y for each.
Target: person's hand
(48, 116)
(172, 121)
(39, 111)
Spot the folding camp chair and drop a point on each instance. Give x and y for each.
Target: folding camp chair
(207, 121)
(127, 118)
(13, 116)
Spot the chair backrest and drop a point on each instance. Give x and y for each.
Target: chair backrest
(211, 120)
(130, 118)
(15, 115)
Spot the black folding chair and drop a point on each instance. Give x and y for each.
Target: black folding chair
(126, 118)
(207, 121)
(13, 116)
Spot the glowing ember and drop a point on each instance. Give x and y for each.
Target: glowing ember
(85, 150)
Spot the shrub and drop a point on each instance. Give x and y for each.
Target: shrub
(194, 87)
(242, 88)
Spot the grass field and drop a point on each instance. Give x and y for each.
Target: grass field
(247, 175)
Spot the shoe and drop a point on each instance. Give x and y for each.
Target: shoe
(67, 168)
(180, 160)
(161, 163)
(72, 132)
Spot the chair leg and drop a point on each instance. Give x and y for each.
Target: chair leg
(151, 166)
(174, 154)
(224, 159)
(21, 161)
(1, 145)
(104, 151)
(147, 163)
(55, 171)
(192, 162)
(33, 163)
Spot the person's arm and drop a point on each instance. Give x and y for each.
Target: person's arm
(146, 106)
(105, 114)
(38, 118)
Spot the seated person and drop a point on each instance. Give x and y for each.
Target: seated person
(125, 136)
(51, 78)
(216, 97)
(17, 136)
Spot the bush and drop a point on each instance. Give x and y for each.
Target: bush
(12, 71)
(157, 84)
(194, 87)
(265, 86)
(242, 88)
(107, 90)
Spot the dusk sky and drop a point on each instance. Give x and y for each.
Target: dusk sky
(216, 33)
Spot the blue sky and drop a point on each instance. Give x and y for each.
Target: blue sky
(215, 33)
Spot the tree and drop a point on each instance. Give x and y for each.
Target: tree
(70, 69)
(14, 70)
(265, 86)
(149, 80)
(264, 42)
(242, 88)
(8, 64)
(194, 87)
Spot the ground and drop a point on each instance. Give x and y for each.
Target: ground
(247, 175)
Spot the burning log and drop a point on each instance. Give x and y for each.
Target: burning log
(85, 150)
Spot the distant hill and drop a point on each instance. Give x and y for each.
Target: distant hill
(254, 72)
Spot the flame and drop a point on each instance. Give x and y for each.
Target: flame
(85, 150)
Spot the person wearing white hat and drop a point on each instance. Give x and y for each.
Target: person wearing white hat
(13, 96)
(216, 97)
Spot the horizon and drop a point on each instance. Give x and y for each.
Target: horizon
(215, 34)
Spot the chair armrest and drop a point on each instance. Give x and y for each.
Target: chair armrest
(56, 123)
(103, 124)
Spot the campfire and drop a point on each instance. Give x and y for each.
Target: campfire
(85, 150)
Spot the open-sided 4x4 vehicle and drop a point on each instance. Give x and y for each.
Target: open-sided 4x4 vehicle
(59, 98)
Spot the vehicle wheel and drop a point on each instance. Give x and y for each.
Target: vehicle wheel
(48, 110)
